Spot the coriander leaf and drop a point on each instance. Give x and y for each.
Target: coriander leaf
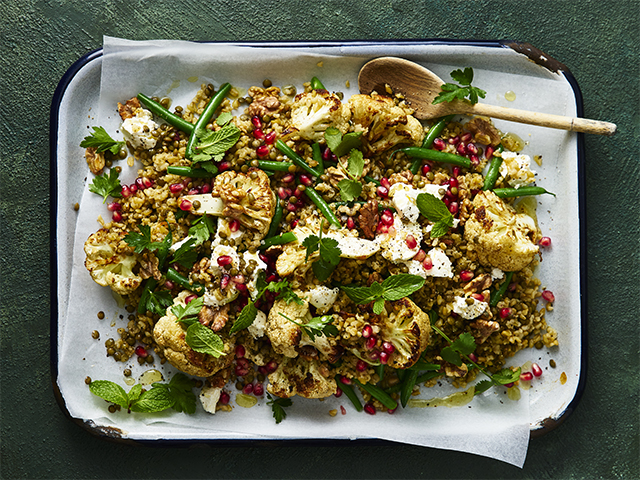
(329, 250)
(349, 142)
(278, 406)
(506, 376)
(465, 344)
(202, 228)
(450, 355)
(355, 163)
(463, 77)
(154, 400)
(349, 189)
(451, 91)
(191, 309)
(246, 317)
(224, 118)
(482, 386)
(399, 286)
(333, 137)
(107, 185)
(311, 243)
(322, 269)
(320, 326)
(142, 240)
(209, 166)
(283, 291)
(101, 141)
(110, 391)
(202, 339)
(180, 388)
(186, 255)
(152, 301)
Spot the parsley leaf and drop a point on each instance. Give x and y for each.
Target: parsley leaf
(201, 229)
(101, 141)
(392, 288)
(451, 91)
(186, 255)
(185, 313)
(437, 212)
(107, 185)
(342, 144)
(320, 326)
(154, 301)
(180, 387)
(278, 406)
(329, 254)
(212, 145)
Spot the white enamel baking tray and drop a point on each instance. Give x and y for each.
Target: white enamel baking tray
(499, 66)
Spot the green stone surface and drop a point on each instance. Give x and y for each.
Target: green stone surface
(600, 43)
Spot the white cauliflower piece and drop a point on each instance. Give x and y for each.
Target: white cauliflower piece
(285, 335)
(503, 238)
(307, 378)
(137, 129)
(109, 269)
(259, 266)
(170, 334)
(384, 123)
(321, 297)
(315, 111)
(516, 169)
(209, 398)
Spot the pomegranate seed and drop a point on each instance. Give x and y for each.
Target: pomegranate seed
(370, 409)
(326, 154)
(426, 168)
(453, 208)
(466, 275)
(288, 178)
(257, 123)
(374, 356)
(361, 366)
(391, 411)
(262, 151)
(474, 159)
(420, 256)
(259, 134)
(439, 144)
(478, 296)
(306, 180)
(513, 286)
(294, 224)
(272, 366)
(242, 362)
(147, 182)
(535, 368)
(234, 225)
(505, 312)
(139, 184)
(169, 284)
(114, 207)
(194, 191)
(454, 140)
(270, 138)
(384, 181)
(258, 389)
(456, 172)
(224, 398)
(466, 137)
(284, 193)
(509, 385)
(388, 347)
(291, 207)
(526, 376)
(224, 281)
(240, 351)
(345, 380)
(384, 357)
(382, 228)
(367, 331)
(461, 149)
(189, 299)
(387, 218)
(548, 296)
(343, 410)
(488, 153)
(206, 188)
(411, 242)
(248, 389)
(272, 278)
(472, 357)
(224, 260)
(224, 166)
(351, 224)
(447, 201)
(472, 149)
(264, 258)
(125, 192)
(133, 188)
(240, 371)
(140, 351)
(545, 242)
(338, 393)
(116, 217)
(382, 191)
(185, 205)
(427, 263)
(370, 343)
(176, 187)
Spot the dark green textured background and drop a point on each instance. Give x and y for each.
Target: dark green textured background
(600, 43)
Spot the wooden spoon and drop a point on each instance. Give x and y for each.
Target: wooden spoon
(420, 86)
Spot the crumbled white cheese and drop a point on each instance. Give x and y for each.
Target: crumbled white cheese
(416, 268)
(352, 247)
(223, 226)
(256, 329)
(260, 266)
(469, 311)
(404, 198)
(222, 251)
(441, 264)
(133, 129)
(497, 274)
(209, 397)
(322, 297)
(516, 169)
(394, 244)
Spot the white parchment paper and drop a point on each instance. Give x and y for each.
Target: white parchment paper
(491, 425)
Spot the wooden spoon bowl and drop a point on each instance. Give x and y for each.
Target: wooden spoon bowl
(421, 86)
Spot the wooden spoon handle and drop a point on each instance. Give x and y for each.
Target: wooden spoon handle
(542, 119)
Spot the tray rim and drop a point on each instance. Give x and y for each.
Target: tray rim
(533, 53)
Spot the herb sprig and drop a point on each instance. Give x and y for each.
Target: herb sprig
(101, 141)
(392, 288)
(212, 145)
(107, 185)
(317, 326)
(329, 254)
(351, 187)
(201, 339)
(451, 91)
(435, 211)
(278, 406)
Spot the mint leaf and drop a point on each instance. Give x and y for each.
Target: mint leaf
(402, 285)
(363, 295)
(203, 340)
(155, 400)
(278, 406)
(110, 391)
(213, 144)
(378, 306)
(107, 185)
(438, 230)
(135, 392)
(435, 211)
(101, 141)
(245, 319)
(224, 118)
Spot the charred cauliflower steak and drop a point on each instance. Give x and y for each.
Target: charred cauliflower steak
(108, 268)
(503, 238)
(315, 111)
(307, 378)
(169, 334)
(285, 335)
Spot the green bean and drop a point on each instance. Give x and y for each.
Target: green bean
(203, 119)
(371, 180)
(494, 170)
(184, 282)
(348, 204)
(316, 84)
(350, 393)
(275, 221)
(171, 118)
(378, 393)
(499, 293)
(380, 371)
(434, 155)
(191, 172)
(432, 134)
(295, 158)
(317, 156)
(520, 192)
(322, 206)
(279, 240)
(274, 166)
(407, 387)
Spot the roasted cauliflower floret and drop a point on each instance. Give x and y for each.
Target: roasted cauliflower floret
(407, 328)
(315, 111)
(502, 237)
(284, 334)
(170, 334)
(309, 379)
(383, 123)
(108, 268)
